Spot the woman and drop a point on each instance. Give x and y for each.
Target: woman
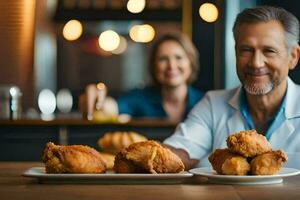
(173, 66)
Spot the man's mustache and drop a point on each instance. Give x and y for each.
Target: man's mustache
(256, 71)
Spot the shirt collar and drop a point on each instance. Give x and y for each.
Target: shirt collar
(235, 100)
(245, 111)
(244, 105)
(291, 99)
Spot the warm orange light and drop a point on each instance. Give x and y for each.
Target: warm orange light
(142, 33)
(100, 86)
(136, 6)
(208, 12)
(109, 40)
(72, 30)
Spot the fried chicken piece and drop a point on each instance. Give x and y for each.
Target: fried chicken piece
(268, 163)
(225, 162)
(109, 159)
(147, 157)
(113, 142)
(248, 143)
(72, 159)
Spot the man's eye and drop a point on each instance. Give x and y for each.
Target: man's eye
(245, 50)
(270, 51)
(178, 57)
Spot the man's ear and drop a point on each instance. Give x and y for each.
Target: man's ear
(294, 57)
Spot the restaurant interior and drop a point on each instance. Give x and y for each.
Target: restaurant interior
(52, 50)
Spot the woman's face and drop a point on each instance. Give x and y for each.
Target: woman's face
(172, 65)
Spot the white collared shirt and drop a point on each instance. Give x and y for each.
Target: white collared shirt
(218, 115)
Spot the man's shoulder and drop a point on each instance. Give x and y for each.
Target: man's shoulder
(292, 98)
(293, 85)
(293, 91)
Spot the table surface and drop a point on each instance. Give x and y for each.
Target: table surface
(14, 186)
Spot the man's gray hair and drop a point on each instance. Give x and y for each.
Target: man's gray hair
(268, 13)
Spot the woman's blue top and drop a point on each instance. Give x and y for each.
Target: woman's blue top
(147, 102)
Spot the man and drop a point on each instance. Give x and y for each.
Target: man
(266, 45)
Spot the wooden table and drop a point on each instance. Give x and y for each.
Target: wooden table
(14, 186)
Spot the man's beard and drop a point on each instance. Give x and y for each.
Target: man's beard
(258, 89)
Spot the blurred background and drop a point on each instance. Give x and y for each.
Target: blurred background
(51, 49)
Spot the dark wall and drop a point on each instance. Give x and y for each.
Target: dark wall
(293, 7)
(203, 38)
(209, 39)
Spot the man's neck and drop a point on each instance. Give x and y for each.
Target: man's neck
(263, 107)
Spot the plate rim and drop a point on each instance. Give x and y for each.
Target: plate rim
(39, 172)
(246, 177)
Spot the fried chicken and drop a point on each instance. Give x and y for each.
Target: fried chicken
(248, 143)
(72, 159)
(268, 163)
(113, 142)
(109, 159)
(147, 157)
(225, 162)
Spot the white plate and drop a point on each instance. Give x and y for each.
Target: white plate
(244, 180)
(107, 178)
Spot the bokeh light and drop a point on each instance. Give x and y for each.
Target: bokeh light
(64, 100)
(122, 46)
(208, 12)
(136, 6)
(72, 30)
(47, 102)
(142, 33)
(109, 40)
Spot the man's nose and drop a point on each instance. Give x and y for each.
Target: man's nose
(257, 60)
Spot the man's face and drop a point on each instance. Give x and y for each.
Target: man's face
(262, 57)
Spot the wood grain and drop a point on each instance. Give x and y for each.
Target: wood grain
(14, 186)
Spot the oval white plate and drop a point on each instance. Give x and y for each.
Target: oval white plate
(244, 180)
(106, 178)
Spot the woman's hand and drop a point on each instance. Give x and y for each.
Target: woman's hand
(96, 95)
(95, 98)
